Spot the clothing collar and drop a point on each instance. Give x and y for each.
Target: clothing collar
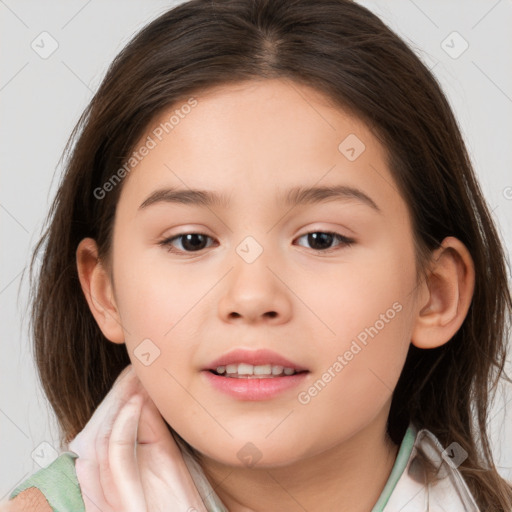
(412, 492)
(406, 488)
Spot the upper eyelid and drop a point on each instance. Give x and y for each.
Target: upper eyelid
(178, 235)
(348, 240)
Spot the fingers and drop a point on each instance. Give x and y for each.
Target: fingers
(91, 445)
(99, 487)
(125, 386)
(122, 457)
(152, 427)
(87, 473)
(164, 474)
(128, 460)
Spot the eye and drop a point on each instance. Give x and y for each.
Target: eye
(195, 242)
(190, 242)
(321, 240)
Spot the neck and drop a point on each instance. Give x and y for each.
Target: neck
(348, 477)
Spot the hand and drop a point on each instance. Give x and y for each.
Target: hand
(128, 460)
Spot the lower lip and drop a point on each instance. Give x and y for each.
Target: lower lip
(255, 388)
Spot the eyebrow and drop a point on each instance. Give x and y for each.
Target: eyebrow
(294, 197)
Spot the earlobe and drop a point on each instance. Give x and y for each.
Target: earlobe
(448, 290)
(97, 287)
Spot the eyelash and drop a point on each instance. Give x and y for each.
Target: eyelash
(345, 242)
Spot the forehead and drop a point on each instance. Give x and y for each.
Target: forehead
(255, 140)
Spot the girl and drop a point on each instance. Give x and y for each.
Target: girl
(261, 368)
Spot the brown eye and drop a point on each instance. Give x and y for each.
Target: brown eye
(190, 242)
(322, 240)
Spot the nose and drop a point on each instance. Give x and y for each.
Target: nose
(255, 293)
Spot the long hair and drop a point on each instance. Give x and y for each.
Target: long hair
(347, 53)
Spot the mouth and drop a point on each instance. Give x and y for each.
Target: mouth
(254, 387)
(249, 371)
(254, 374)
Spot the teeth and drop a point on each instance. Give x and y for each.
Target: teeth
(233, 370)
(245, 369)
(265, 369)
(276, 370)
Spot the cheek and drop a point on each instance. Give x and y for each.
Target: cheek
(359, 373)
(366, 296)
(369, 307)
(161, 340)
(153, 298)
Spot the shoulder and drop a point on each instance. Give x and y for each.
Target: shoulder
(54, 487)
(29, 500)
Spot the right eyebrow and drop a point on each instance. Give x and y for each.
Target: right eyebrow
(204, 198)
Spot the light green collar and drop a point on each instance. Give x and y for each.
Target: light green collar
(398, 468)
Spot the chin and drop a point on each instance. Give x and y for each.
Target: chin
(249, 455)
(262, 454)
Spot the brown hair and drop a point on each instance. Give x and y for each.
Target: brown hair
(346, 52)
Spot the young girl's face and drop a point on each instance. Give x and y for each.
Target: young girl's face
(251, 278)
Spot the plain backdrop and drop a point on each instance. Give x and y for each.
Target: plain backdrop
(467, 44)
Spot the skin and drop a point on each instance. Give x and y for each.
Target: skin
(27, 501)
(253, 141)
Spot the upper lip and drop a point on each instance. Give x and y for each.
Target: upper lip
(254, 357)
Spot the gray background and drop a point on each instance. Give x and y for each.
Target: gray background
(42, 98)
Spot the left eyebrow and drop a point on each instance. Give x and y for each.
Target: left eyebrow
(294, 197)
(314, 195)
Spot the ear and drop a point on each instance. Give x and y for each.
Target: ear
(445, 295)
(98, 290)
